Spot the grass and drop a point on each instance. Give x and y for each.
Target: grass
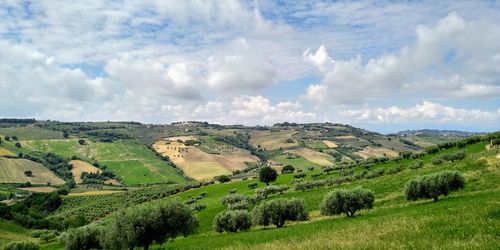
(10, 231)
(272, 140)
(12, 171)
(299, 162)
(132, 161)
(31, 133)
(5, 152)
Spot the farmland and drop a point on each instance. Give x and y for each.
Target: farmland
(79, 167)
(12, 171)
(272, 140)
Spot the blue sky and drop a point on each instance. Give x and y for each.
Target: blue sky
(384, 66)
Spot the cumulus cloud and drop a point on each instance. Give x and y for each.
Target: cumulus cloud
(428, 112)
(452, 49)
(252, 110)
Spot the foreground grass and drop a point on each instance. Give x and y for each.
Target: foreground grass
(463, 222)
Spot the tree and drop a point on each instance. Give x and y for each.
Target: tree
(287, 169)
(142, 225)
(7, 138)
(86, 238)
(0, 140)
(434, 185)
(22, 245)
(65, 134)
(278, 211)
(14, 138)
(28, 173)
(81, 142)
(232, 221)
(347, 201)
(18, 144)
(222, 178)
(267, 174)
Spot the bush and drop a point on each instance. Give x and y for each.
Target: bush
(82, 238)
(22, 245)
(267, 174)
(199, 207)
(242, 205)
(232, 221)
(347, 201)
(375, 173)
(233, 191)
(299, 175)
(232, 199)
(222, 178)
(278, 211)
(416, 165)
(454, 156)
(437, 161)
(434, 185)
(18, 144)
(287, 169)
(269, 190)
(252, 185)
(396, 169)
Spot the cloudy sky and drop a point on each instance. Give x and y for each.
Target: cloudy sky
(381, 66)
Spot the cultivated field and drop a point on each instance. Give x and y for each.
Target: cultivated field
(199, 164)
(31, 133)
(376, 152)
(330, 144)
(133, 162)
(5, 152)
(79, 167)
(313, 156)
(45, 189)
(272, 140)
(181, 138)
(12, 171)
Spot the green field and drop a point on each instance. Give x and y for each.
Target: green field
(31, 133)
(10, 231)
(132, 161)
(12, 171)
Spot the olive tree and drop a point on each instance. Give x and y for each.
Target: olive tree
(22, 245)
(86, 237)
(267, 174)
(287, 169)
(347, 201)
(232, 221)
(142, 225)
(434, 185)
(278, 211)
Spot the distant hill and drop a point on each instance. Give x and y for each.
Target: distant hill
(437, 132)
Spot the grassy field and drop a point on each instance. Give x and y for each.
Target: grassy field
(314, 156)
(12, 171)
(11, 232)
(272, 140)
(299, 162)
(31, 133)
(132, 161)
(6, 152)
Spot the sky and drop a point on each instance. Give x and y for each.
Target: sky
(383, 66)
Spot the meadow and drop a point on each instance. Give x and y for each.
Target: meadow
(12, 171)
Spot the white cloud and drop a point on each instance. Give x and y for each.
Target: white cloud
(426, 112)
(449, 50)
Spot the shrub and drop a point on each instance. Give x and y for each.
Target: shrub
(199, 207)
(269, 190)
(18, 144)
(311, 168)
(396, 169)
(48, 236)
(316, 175)
(232, 199)
(437, 161)
(347, 201)
(241, 205)
(22, 245)
(222, 178)
(299, 175)
(432, 150)
(82, 238)
(267, 175)
(287, 169)
(454, 156)
(278, 211)
(416, 164)
(434, 185)
(233, 191)
(375, 173)
(232, 221)
(252, 185)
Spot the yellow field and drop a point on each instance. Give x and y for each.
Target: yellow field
(272, 140)
(182, 138)
(94, 192)
(5, 152)
(170, 149)
(330, 144)
(376, 152)
(203, 170)
(199, 164)
(46, 189)
(12, 171)
(313, 156)
(79, 167)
